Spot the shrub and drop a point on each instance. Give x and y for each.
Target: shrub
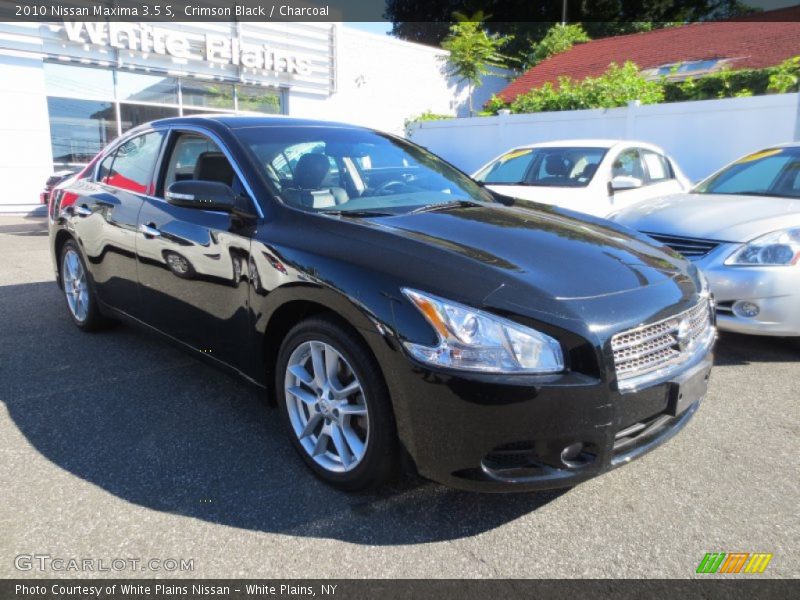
(426, 116)
(616, 87)
(785, 77)
(619, 85)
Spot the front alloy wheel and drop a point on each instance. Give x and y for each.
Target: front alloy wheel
(327, 407)
(335, 404)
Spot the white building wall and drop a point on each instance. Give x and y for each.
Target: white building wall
(382, 81)
(26, 159)
(702, 136)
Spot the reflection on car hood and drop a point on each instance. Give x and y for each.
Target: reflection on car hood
(723, 217)
(564, 256)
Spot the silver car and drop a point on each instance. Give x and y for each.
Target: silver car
(741, 227)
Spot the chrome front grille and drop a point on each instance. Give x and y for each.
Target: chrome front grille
(689, 247)
(658, 346)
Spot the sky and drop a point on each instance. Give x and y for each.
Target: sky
(381, 27)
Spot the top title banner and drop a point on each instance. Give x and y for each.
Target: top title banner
(369, 10)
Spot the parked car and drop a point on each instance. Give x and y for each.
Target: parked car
(391, 307)
(591, 176)
(53, 181)
(741, 226)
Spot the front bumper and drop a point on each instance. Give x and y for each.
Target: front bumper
(513, 433)
(775, 290)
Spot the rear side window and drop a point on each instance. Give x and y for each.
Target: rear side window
(133, 163)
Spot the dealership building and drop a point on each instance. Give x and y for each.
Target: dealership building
(69, 88)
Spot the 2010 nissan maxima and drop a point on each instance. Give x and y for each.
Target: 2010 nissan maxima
(397, 312)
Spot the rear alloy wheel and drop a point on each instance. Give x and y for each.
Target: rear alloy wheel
(335, 405)
(78, 289)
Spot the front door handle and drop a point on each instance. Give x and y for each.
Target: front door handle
(83, 210)
(149, 231)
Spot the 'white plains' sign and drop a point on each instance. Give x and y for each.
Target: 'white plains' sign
(220, 49)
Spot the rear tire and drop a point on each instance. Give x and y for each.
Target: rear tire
(335, 405)
(78, 289)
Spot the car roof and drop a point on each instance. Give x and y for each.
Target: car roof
(587, 143)
(241, 121)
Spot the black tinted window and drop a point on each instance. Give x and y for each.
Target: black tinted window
(344, 169)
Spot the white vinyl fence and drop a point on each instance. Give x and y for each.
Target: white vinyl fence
(702, 136)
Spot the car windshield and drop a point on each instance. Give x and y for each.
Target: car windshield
(774, 172)
(557, 167)
(346, 170)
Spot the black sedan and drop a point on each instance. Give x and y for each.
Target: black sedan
(396, 311)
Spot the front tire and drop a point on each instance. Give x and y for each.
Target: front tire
(335, 405)
(77, 287)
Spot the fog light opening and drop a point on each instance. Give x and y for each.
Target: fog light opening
(746, 309)
(574, 456)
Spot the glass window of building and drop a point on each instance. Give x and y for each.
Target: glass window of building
(259, 99)
(70, 81)
(138, 87)
(208, 94)
(79, 129)
(132, 115)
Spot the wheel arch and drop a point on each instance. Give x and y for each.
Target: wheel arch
(301, 302)
(61, 238)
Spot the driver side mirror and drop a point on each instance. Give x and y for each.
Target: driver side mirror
(206, 195)
(624, 182)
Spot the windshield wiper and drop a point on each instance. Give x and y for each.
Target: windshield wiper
(356, 213)
(445, 206)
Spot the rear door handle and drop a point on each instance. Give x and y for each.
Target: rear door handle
(83, 210)
(149, 231)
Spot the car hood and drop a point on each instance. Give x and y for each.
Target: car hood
(565, 256)
(723, 217)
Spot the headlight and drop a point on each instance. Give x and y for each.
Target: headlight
(474, 340)
(779, 248)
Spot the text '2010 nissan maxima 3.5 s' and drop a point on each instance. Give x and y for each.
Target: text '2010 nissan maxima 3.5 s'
(397, 312)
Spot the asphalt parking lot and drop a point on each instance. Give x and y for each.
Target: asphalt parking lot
(118, 445)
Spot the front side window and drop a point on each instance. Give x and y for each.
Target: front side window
(134, 161)
(769, 173)
(343, 169)
(628, 164)
(557, 167)
(196, 157)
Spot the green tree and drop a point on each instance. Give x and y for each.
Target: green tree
(428, 21)
(558, 39)
(473, 51)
